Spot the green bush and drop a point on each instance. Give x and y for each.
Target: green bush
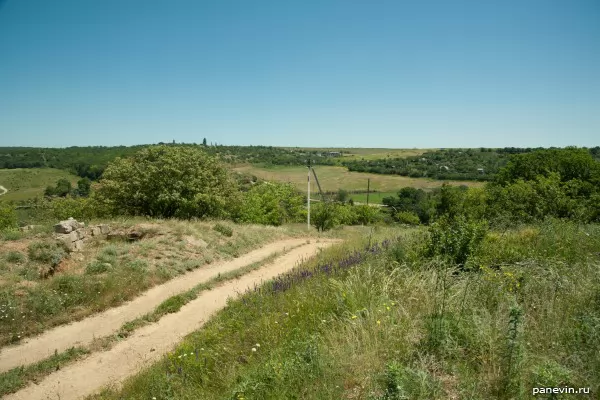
(272, 203)
(169, 181)
(323, 216)
(406, 217)
(455, 239)
(8, 217)
(46, 252)
(223, 229)
(15, 257)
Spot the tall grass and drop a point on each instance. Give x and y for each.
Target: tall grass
(396, 324)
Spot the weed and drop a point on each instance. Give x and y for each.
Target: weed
(223, 229)
(15, 257)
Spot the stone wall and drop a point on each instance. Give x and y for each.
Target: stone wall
(73, 234)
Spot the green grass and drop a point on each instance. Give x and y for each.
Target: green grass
(402, 325)
(367, 153)
(28, 183)
(17, 378)
(334, 178)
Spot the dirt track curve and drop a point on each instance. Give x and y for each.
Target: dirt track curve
(83, 332)
(151, 342)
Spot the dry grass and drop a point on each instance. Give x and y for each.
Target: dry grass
(335, 178)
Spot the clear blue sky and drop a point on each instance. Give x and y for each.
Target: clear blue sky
(353, 73)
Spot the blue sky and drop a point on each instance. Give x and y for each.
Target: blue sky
(300, 73)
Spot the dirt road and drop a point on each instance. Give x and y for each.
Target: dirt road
(151, 342)
(85, 331)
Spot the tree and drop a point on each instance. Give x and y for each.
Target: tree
(63, 188)
(204, 142)
(83, 187)
(342, 196)
(272, 203)
(169, 181)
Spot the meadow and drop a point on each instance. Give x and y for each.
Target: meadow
(28, 183)
(333, 178)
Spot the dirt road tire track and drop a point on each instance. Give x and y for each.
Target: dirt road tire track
(83, 332)
(151, 342)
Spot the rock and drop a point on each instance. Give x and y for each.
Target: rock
(104, 229)
(78, 245)
(96, 231)
(68, 226)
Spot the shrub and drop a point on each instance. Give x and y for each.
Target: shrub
(46, 252)
(169, 181)
(15, 257)
(272, 203)
(323, 216)
(223, 229)
(8, 217)
(406, 217)
(455, 239)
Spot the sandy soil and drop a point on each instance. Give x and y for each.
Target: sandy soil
(103, 324)
(150, 343)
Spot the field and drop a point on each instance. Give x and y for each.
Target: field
(365, 153)
(27, 183)
(335, 178)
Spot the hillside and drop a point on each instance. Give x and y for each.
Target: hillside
(28, 183)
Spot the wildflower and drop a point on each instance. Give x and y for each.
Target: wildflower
(378, 322)
(354, 317)
(254, 349)
(257, 344)
(388, 308)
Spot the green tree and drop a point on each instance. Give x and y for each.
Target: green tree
(169, 181)
(204, 142)
(323, 216)
(8, 217)
(83, 187)
(272, 203)
(63, 188)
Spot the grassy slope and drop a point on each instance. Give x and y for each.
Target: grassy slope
(335, 178)
(23, 184)
(106, 274)
(397, 325)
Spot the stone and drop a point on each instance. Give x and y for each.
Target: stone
(68, 226)
(73, 236)
(104, 229)
(78, 245)
(96, 231)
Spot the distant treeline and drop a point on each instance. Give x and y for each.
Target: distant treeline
(447, 164)
(90, 162)
(452, 164)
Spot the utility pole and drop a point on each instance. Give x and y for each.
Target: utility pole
(368, 189)
(308, 198)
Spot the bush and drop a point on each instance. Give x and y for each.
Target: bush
(8, 217)
(15, 257)
(455, 239)
(46, 252)
(323, 216)
(169, 181)
(271, 203)
(223, 229)
(406, 217)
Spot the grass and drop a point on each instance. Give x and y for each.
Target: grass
(28, 183)
(17, 378)
(393, 324)
(105, 274)
(335, 178)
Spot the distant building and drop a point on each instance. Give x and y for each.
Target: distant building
(334, 154)
(481, 171)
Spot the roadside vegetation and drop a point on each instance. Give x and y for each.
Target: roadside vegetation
(107, 274)
(452, 292)
(491, 314)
